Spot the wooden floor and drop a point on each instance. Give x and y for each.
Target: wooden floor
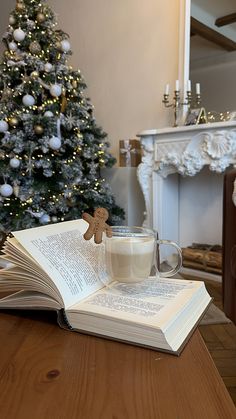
(220, 340)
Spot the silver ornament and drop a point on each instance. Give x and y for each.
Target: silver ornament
(55, 143)
(12, 20)
(44, 219)
(48, 114)
(65, 45)
(48, 67)
(12, 46)
(31, 24)
(28, 100)
(3, 126)
(19, 35)
(14, 163)
(6, 190)
(55, 90)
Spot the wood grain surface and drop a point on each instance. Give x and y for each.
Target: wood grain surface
(49, 373)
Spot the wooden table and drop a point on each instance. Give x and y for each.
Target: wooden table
(49, 373)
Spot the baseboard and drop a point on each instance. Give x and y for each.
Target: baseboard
(194, 273)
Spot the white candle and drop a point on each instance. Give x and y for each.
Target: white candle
(167, 89)
(177, 85)
(198, 88)
(189, 86)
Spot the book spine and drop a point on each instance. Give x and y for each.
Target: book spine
(63, 321)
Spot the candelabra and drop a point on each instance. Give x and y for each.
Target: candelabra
(177, 103)
(198, 100)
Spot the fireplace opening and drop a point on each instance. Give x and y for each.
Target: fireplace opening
(200, 208)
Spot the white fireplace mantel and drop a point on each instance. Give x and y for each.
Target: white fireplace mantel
(185, 151)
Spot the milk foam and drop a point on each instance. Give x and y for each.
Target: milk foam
(130, 245)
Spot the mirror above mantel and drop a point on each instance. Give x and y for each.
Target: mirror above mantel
(213, 52)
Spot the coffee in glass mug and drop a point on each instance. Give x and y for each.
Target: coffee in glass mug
(130, 254)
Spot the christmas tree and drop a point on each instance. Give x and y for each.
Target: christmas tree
(51, 148)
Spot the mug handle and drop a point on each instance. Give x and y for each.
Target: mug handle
(179, 263)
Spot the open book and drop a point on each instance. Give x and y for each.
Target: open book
(52, 267)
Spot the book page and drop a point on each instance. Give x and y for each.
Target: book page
(69, 260)
(143, 302)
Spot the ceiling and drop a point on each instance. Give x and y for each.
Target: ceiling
(217, 7)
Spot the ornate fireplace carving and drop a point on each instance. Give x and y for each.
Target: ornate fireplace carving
(185, 151)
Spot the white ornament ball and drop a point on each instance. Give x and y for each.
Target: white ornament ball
(6, 190)
(12, 46)
(19, 35)
(12, 20)
(28, 100)
(48, 114)
(65, 45)
(48, 67)
(44, 219)
(3, 126)
(54, 219)
(14, 163)
(55, 143)
(55, 90)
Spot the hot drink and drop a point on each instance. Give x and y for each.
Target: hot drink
(129, 259)
(130, 255)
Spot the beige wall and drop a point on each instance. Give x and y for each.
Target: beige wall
(127, 50)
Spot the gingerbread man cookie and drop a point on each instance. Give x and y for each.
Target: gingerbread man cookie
(97, 225)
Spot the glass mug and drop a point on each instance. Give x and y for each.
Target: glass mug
(130, 255)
